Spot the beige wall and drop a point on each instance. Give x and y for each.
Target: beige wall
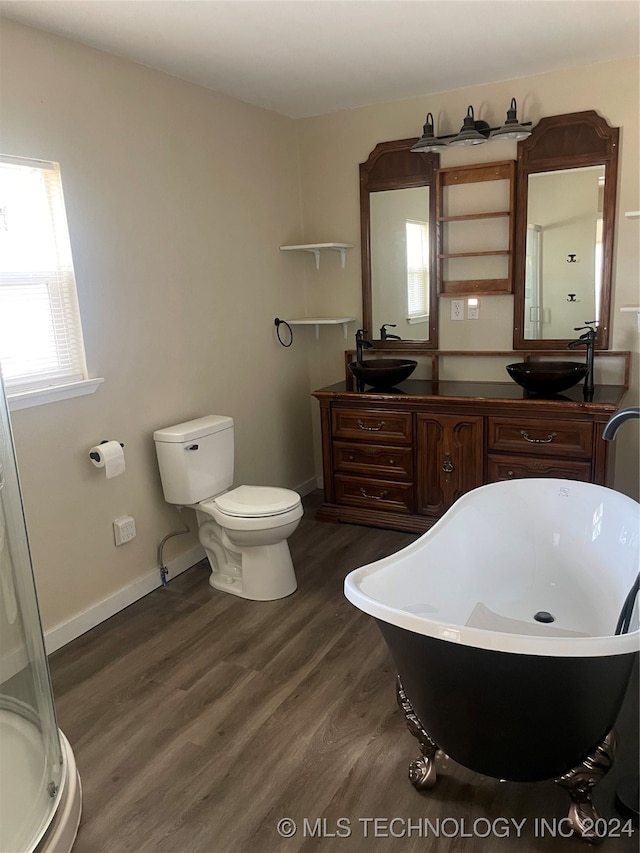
(177, 200)
(332, 146)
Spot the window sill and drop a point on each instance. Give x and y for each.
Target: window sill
(27, 399)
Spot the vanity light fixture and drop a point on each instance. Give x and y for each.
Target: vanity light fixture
(512, 129)
(429, 142)
(473, 131)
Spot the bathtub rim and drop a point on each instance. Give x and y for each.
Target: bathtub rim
(523, 644)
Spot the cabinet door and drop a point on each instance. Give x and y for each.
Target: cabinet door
(449, 460)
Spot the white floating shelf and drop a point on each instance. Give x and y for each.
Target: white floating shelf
(632, 309)
(322, 321)
(316, 248)
(632, 214)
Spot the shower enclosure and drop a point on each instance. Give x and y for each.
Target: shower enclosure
(40, 796)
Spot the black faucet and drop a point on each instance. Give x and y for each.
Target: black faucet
(589, 340)
(615, 421)
(361, 343)
(385, 336)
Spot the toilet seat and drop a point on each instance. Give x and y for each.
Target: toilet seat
(256, 501)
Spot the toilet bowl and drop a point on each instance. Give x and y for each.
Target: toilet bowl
(244, 530)
(249, 553)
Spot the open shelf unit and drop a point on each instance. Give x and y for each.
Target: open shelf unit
(458, 176)
(322, 321)
(316, 248)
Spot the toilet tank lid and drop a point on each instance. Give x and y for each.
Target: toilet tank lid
(190, 430)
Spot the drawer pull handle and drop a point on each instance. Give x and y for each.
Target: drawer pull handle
(379, 497)
(371, 428)
(546, 440)
(447, 467)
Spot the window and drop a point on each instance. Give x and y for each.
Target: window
(417, 271)
(40, 331)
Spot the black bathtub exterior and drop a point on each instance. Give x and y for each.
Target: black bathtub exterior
(518, 717)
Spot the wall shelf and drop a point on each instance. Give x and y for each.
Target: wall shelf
(316, 248)
(632, 214)
(632, 309)
(322, 321)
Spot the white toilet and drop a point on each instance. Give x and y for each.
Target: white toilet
(244, 531)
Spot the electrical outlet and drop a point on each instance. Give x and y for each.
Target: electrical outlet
(457, 309)
(124, 529)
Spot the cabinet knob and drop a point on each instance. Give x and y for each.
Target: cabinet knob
(511, 473)
(392, 462)
(350, 457)
(447, 467)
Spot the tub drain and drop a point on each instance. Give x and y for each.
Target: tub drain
(544, 616)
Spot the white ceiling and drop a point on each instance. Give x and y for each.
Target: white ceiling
(310, 57)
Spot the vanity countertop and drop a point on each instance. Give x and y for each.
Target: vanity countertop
(606, 398)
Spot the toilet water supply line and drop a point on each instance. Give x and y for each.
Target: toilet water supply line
(164, 571)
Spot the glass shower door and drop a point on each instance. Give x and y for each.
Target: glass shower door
(31, 767)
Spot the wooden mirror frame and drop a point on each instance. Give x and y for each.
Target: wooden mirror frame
(393, 166)
(559, 142)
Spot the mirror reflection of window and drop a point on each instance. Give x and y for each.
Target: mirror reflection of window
(390, 212)
(533, 309)
(598, 261)
(417, 271)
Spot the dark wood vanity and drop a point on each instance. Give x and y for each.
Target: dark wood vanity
(400, 459)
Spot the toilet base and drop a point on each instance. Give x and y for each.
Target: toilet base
(262, 573)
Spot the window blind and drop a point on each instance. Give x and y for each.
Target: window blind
(417, 268)
(40, 330)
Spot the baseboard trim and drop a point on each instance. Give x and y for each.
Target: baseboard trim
(307, 487)
(65, 632)
(79, 624)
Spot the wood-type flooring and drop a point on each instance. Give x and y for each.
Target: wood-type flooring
(199, 721)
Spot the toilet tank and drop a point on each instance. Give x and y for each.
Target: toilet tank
(195, 459)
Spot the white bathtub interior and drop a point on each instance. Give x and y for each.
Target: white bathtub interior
(509, 550)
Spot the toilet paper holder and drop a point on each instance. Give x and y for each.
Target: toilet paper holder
(95, 456)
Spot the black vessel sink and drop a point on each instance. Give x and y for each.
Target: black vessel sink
(547, 377)
(382, 372)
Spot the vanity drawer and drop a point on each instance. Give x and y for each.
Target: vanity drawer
(541, 437)
(373, 460)
(376, 425)
(520, 467)
(380, 495)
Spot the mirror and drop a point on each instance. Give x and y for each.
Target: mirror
(397, 220)
(565, 208)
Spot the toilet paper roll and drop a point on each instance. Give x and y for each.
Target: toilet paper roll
(109, 456)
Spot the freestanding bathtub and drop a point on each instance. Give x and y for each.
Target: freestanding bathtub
(501, 621)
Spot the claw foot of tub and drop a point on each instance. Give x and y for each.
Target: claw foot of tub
(422, 774)
(422, 771)
(580, 782)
